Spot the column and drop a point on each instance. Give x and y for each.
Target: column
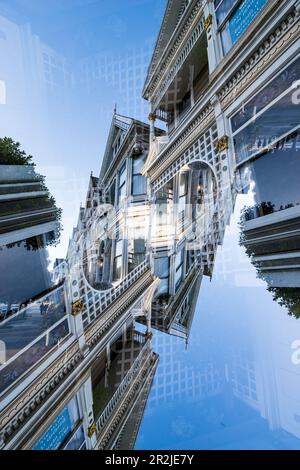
(74, 307)
(152, 118)
(214, 47)
(226, 153)
(86, 404)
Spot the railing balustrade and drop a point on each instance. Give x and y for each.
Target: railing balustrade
(106, 298)
(124, 386)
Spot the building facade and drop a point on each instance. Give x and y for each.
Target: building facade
(220, 75)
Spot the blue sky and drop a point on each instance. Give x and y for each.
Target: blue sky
(66, 129)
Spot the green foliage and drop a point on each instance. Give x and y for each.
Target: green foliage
(11, 153)
(288, 297)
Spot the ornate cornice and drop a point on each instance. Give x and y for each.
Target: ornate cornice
(162, 67)
(18, 412)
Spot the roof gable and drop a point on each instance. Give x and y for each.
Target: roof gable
(117, 133)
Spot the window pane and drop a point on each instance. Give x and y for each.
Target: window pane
(269, 93)
(162, 267)
(119, 248)
(122, 192)
(117, 268)
(178, 277)
(122, 175)
(260, 133)
(139, 185)
(137, 164)
(183, 184)
(223, 7)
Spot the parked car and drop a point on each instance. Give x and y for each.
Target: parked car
(14, 308)
(3, 310)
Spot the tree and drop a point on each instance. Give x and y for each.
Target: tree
(288, 297)
(11, 153)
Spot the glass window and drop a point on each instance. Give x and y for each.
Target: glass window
(183, 190)
(117, 268)
(122, 183)
(76, 441)
(161, 267)
(262, 133)
(269, 93)
(63, 425)
(239, 20)
(139, 185)
(117, 273)
(179, 268)
(139, 182)
(223, 7)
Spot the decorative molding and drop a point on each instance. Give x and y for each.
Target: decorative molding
(77, 307)
(91, 430)
(128, 400)
(223, 144)
(152, 117)
(208, 22)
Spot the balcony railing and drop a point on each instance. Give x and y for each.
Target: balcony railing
(134, 372)
(106, 298)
